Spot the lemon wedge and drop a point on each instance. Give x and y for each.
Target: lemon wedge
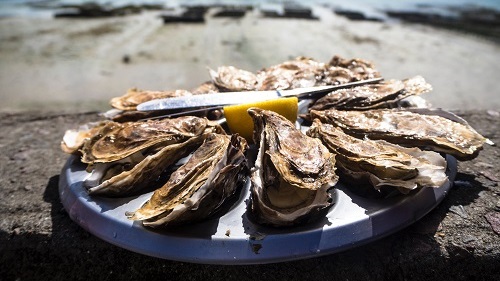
(240, 122)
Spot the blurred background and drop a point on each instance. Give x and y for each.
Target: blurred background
(76, 55)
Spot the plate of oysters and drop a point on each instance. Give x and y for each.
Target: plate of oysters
(358, 164)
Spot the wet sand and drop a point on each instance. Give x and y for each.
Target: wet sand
(78, 64)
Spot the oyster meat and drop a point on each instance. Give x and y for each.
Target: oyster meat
(292, 173)
(436, 130)
(385, 94)
(199, 187)
(380, 163)
(125, 158)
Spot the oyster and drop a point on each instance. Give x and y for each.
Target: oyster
(385, 94)
(381, 163)
(205, 88)
(134, 97)
(436, 130)
(198, 188)
(360, 69)
(298, 73)
(138, 171)
(335, 75)
(73, 140)
(127, 158)
(292, 174)
(230, 78)
(116, 141)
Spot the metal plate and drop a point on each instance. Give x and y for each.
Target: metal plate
(232, 238)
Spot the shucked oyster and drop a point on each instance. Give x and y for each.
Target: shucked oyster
(385, 94)
(126, 158)
(381, 163)
(198, 188)
(436, 130)
(292, 174)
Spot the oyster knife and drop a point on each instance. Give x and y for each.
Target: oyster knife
(230, 98)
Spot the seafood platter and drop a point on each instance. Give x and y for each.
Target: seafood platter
(356, 163)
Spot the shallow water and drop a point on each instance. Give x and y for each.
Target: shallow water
(44, 8)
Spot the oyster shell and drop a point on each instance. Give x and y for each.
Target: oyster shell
(360, 69)
(134, 97)
(334, 75)
(436, 130)
(381, 163)
(230, 78)
(292, 174)
(198, 188)
(73, 140)
(137, 172)
(127, 158)
(301, 72)
(116, 141)
(205, 88)
(385, 94)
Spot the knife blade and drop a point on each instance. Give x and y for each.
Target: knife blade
(229, 98)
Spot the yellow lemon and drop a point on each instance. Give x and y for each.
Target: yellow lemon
(240, 122)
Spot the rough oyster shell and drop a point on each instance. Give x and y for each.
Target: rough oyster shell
(73, 140)
(116, 141)
(292, 174)
(137, 172)
(134, 97)
(230, 78)
(381, 163)
(436, 130)
(385, 94)
(198, 188)
(205, 88)
(298, 73)
(361, 69)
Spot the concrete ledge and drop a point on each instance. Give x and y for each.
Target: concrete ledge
(38, 240)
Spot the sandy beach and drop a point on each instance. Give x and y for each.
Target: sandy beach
(78, 64)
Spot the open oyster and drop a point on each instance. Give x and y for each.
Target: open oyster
(380, 163)
(385, 94)
(126, 158)
(292, 174)
(436, 130)
(198, 188)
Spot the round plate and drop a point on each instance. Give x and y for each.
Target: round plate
(232, 238)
